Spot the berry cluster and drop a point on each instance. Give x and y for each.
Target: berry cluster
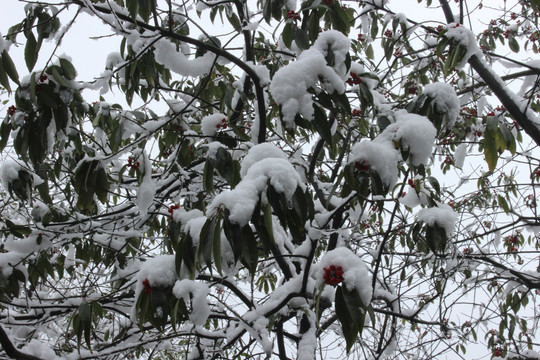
(511, 240)
(361, 37)
(43, 78)
(172, 208)
(468, 251)
(361, 166)
(147, 287)
(411, 183)
(449, 160)
(356, 112)
(222, 124)
(498, 352)
(293, 15)
(477, 133)
(412, 89)
(388, 33)
(11, 110)
(333, 275)
(530, 201)
(469, 112)
(354, 79)
(132, 163)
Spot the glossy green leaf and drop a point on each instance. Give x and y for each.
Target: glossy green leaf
(346, 319)
(68, 69)
(31, 51)
(287, 35)
(9, 67)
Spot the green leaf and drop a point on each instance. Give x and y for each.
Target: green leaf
(5, 130)
(434, 183)
(503, 203)
(55, 72)
(287, 35)
(216, 245)
(490, 143)
(301, 38)
(17, 230)
(31, 51)
(68, 69)
(322, 124)
(9, 67)
(84, 323)
(514, 45)
(4, 81)
(369, 52)
(208, 176)
(206, 242)
(348, 323)
(436, 238)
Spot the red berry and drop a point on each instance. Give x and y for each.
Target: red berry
(11, 110)
(361, 166)
(147, 287)
(333, 275)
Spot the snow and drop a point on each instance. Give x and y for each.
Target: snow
(308, 343)
(380, 155)
(4, 44)
(200, 310)
(264, 162)
(41, 349)
(291, 83)
(355, 273)
(159, 271)
(410, 199)
(9, 171)
(241, 201)
(258, 152)
(443, 215)
(459, 155)
(416, 133)
(166, 54)
(113, 59)
(209, 124)
(262, 73)
(147, 189)
(446, 100)
(465, 37)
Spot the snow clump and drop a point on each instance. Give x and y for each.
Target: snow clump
(241, 200)
(443, 215)
(446, 100)
(159, 271)
(416, 134)
(380, 155)
(465, 37)
(200, 311)
(355, 273)
(291, 83)
(212, 123)
(9, 171)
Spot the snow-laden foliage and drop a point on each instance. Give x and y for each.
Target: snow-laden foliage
(270, 179)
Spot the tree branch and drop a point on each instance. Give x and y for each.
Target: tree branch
(11, 350)
(498, 87)
(259, 93)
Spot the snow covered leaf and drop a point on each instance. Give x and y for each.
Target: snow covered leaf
(82, 323)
